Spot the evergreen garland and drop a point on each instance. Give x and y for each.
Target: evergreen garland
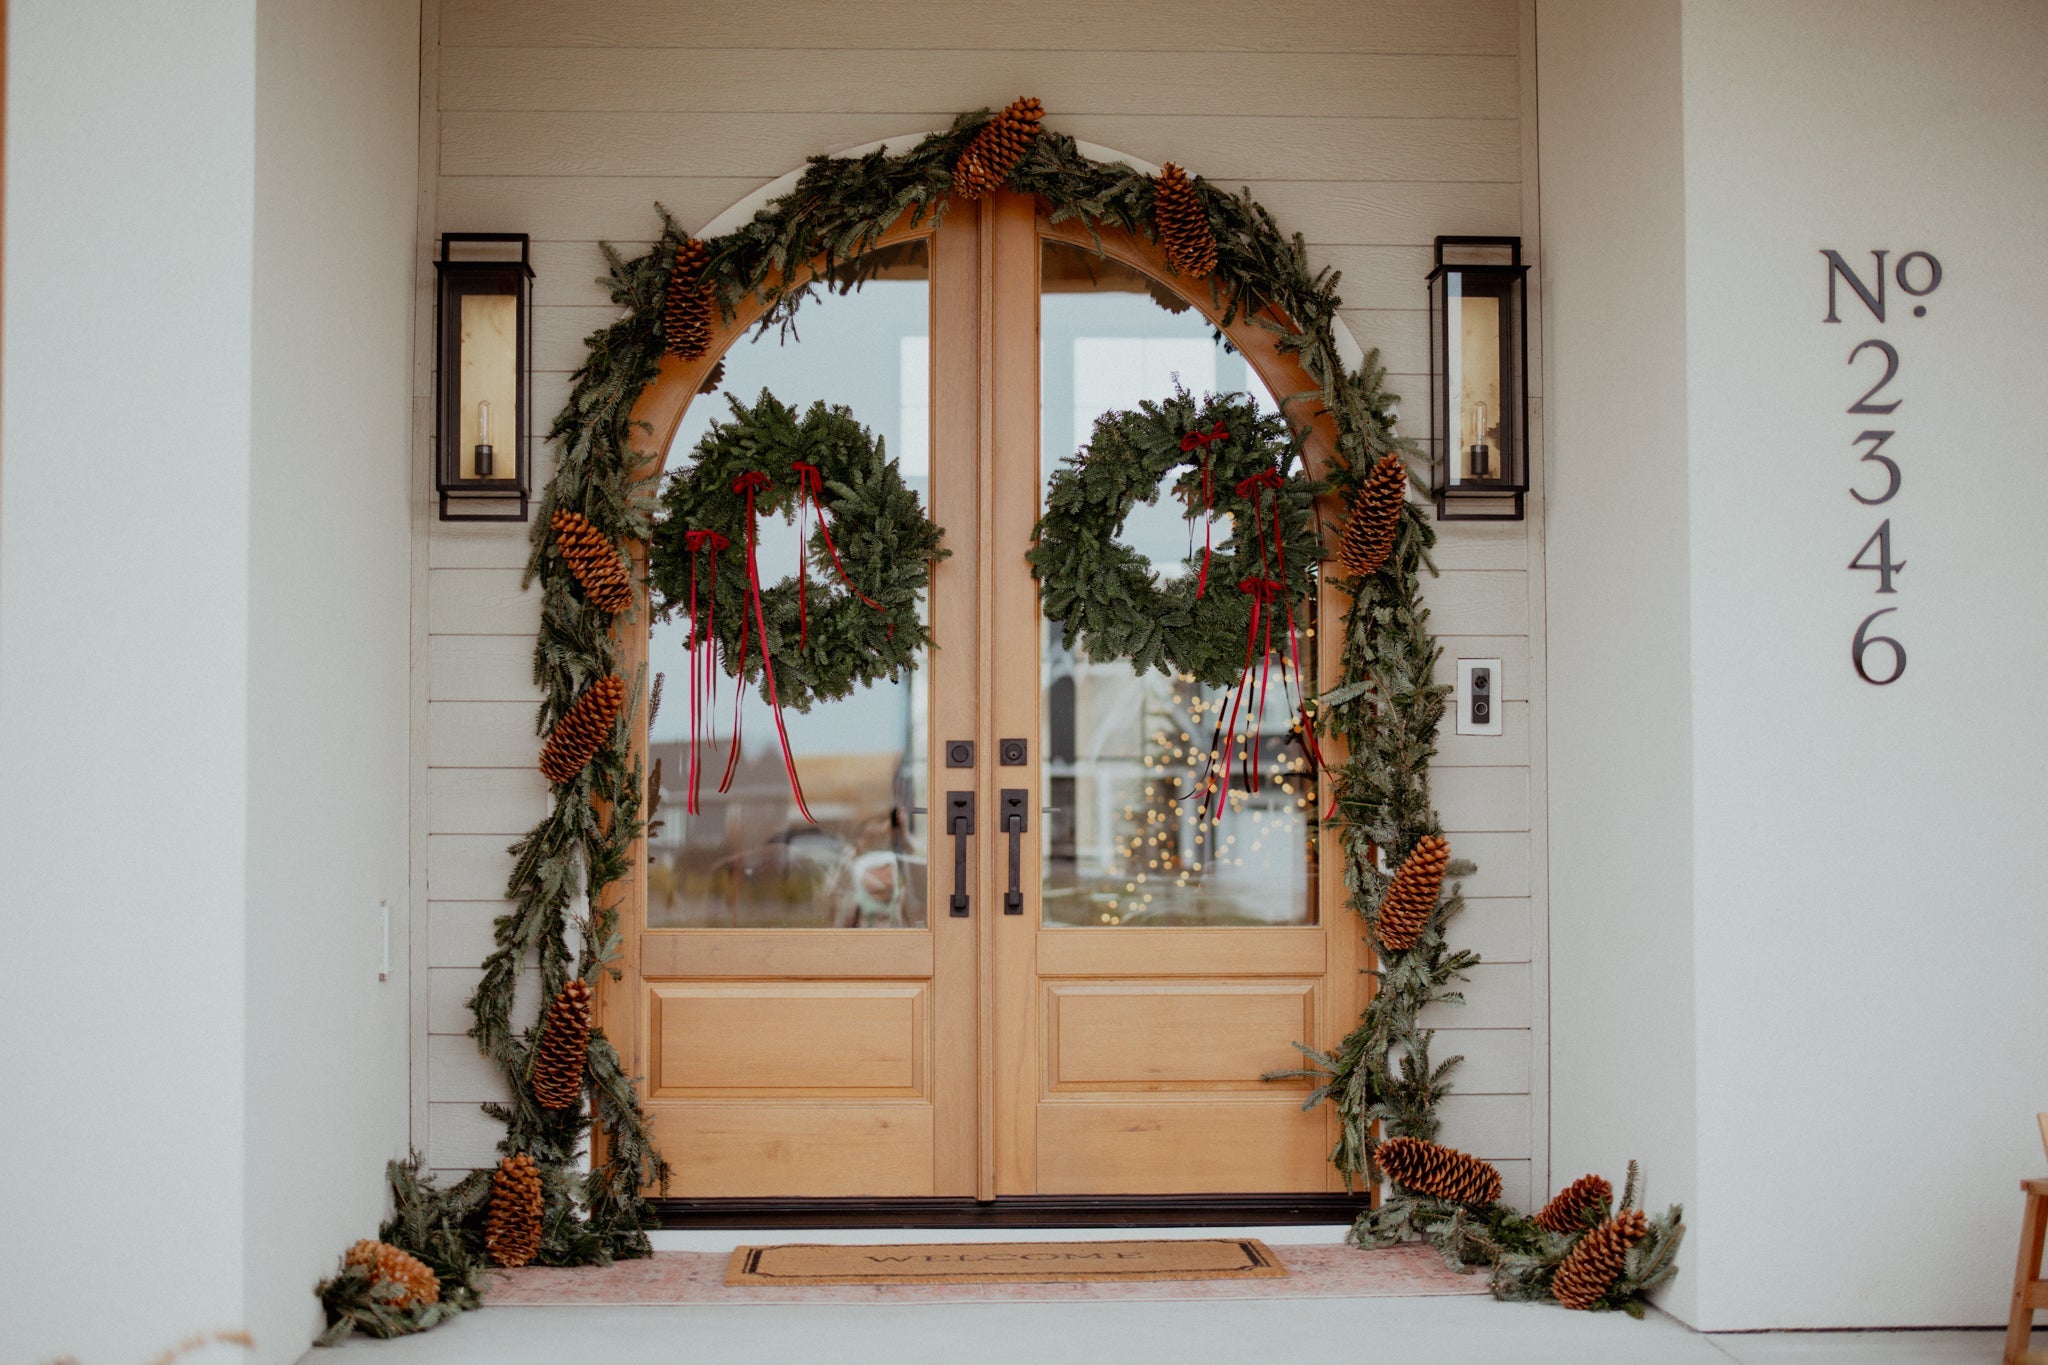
(444, 1229)
(1385, 706)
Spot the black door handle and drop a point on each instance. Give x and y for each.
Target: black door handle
(960, 824)
(1016, 819)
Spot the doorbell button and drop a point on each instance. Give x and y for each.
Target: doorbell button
(1478, 696)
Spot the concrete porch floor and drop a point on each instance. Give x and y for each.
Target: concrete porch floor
(1441, 1331)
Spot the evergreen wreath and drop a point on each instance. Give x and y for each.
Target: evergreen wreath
(1219, 453)
(1385, 707)
(851, 620)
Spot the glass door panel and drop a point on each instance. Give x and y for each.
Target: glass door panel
(748, 859)
(1125, 840)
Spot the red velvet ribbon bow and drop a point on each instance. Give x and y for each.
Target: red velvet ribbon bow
(751, 484)
(810, 493)
(703, 653)
(1201, 440)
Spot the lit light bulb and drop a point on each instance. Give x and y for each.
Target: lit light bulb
(1479, 455)
(483, 439)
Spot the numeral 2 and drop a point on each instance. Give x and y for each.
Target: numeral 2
(1891, 372)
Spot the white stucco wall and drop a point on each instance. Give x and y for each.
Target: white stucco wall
(337, 147)
(1621, 990)
(1798, 925)
(1870, 911)
(124, 662)
(204, 586)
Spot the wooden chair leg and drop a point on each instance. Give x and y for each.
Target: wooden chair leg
(2020, 1326)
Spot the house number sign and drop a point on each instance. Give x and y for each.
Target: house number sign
(1878, 659)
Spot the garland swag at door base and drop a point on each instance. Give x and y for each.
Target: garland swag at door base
(1385, 706)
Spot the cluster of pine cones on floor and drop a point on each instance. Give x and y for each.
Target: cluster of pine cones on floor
(1595, 1263)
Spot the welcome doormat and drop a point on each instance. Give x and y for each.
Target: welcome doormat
(1207, 1258)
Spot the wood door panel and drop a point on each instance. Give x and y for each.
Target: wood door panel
(764, 1148)
(838, 1038)
(1199, 1146)
(1185, 1036)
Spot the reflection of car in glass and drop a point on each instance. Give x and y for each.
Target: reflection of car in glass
(810, 875)
(794, 867)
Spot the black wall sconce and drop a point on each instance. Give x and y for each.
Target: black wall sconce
(1478, 373)
(483, 329)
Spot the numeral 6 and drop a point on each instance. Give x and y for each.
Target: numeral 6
(1864, 640)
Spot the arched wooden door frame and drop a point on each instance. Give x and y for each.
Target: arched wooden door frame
(964, 410)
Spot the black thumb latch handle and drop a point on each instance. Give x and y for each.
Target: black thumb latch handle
(959, 824)
(1016, 819)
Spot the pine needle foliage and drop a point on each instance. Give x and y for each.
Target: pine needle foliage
(443, 1228)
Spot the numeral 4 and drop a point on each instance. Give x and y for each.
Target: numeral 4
(1884, 568)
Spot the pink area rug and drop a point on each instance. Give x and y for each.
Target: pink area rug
(690, 1277)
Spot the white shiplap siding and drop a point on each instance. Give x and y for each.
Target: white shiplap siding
(568, 119)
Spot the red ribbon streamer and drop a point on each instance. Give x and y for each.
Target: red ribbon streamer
(1262, 591)
(1201, 440)
(810, 487)
(703, 652)
(751, 484)
(1266, 586)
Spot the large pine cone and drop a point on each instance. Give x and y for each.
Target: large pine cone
(1584, 1277)
(564, 1039)
(1375, 514)
(991, 154)
(1182, 223)
(687, 306)
(594, 560)
(512, 1227)
(414, 1285)
(583, 730)
(1578, 1205)
(1412, 896)
(1438, 1171)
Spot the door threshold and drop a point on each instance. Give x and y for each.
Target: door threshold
(1022, 1211)
(725, 1240)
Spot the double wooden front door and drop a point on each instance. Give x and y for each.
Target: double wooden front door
(1082, 995)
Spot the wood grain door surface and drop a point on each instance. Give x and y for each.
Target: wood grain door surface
(989, 1055)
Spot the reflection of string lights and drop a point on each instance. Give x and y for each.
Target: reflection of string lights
(1167, 845)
